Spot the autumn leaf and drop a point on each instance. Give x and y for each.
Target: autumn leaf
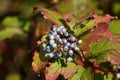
(101, 31)
(105, 19)
(114, 55)
(37, 63)
(105, 50)
(52, 16)
(93, 22)
(56, 69)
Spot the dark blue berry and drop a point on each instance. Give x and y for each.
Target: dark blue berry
(70, 52)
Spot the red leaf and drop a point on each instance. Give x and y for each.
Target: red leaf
(101, 31)
(56, 69)
(104, 19)
(114, 55)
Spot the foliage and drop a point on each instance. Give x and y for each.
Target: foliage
(94, 47)
(97, 40)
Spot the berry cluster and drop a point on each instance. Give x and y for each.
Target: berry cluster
(60, 44)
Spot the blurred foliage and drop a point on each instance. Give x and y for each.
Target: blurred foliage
(20, 29)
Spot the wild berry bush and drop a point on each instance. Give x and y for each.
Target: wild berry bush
(77, 49)
(59, 40)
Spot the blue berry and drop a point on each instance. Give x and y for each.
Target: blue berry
(69, 59)
(51, 42)
(66, 34)
(57, 37)
(72, 38)
(54, 29)
(54, 45)
(49, 34)
(73, 45)
(59, 54)
(65, 48)
(70, 52)
(58, 29)
(60, 41)
(51, 55)
(68, 44)
(76, 48)
(64, 30)
(64, 40)
(61, 27)
(54, 33)
(47, 49)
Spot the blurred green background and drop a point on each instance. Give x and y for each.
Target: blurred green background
(20, 29)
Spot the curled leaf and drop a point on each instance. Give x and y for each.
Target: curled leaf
(37, 64)
(53, 16)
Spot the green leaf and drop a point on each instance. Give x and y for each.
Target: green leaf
(99, 50)
(86, 27)
(115, 26)
(116, 8)
(56, 69)
(13, 76)
(100, 76)
(11, 22)
(81, 74)
(53, 16)
(27, 26)
(9, 32)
